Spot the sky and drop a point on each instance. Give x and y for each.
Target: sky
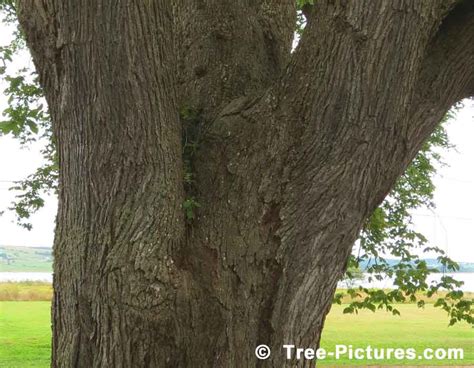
(449, 226)
(16, 164)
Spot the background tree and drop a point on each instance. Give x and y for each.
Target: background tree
(282, 159)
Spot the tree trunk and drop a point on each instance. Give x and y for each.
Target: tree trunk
(294, 151)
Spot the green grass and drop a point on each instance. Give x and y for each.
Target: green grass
(415, 328)
(25, 259)
(25, 334)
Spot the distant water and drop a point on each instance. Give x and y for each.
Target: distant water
(26, 276)
(387, 283)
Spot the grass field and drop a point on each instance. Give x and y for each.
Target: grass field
(25, 259)
(415, 328)
(25, 334)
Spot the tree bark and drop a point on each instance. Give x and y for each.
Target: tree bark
(295, 151)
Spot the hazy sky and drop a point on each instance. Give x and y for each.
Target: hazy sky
(449, 226)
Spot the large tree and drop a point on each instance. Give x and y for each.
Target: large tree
(212, 183)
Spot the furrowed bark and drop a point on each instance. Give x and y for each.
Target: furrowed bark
(446, 75)
(356, 136)
(112, 100)
(228, 49)
(291, 160)
(311, 159)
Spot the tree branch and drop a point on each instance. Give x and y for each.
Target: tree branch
(350, 130)
(447, 74)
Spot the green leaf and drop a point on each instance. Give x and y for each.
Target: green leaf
(348, 310)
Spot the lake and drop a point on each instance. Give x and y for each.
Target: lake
(26, 276)
(467, 277)
(387, 283)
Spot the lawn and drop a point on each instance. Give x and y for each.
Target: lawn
(25, 337)
(25, 334)
(415, 328)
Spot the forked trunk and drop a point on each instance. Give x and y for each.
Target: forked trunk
(191, 252)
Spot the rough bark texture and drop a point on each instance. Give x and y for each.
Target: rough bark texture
(295, 151)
